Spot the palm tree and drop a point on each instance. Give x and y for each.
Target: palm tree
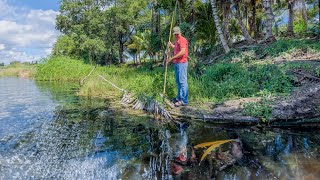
(244, 30)
(218, 26)
(141, 43)
(204, 26)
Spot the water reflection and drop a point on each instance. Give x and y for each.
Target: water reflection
(58, 135)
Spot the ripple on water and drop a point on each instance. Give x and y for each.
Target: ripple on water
(22, 106)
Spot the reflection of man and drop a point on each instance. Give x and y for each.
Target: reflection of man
(180, 60)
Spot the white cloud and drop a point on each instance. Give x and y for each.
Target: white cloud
(5, 9)
(48, 51)
(12, 55)
(32, 30)
(2, 47)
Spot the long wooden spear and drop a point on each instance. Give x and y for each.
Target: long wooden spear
(167, 56)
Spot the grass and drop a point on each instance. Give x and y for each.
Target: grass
(218, 83)
(282, 47)
(61, 69)
(288, 46)
(261, 109)
(18, 70)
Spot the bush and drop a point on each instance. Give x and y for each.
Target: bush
(224, 81)
(270, 78)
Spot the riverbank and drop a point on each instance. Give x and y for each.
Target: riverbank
(249, 81)
(18, 70)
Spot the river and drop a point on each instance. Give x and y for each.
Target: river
(47, 132)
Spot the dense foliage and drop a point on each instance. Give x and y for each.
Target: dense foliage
(116, 31)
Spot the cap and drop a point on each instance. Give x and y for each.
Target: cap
(176, 30)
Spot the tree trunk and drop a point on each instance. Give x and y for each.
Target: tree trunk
(121, 49)
(269, 18)
(218, 26)
(226, 21)
(253, 22)
(154, 17)
(106, 58)
(290, 21)
(242, 27)
(304, 13)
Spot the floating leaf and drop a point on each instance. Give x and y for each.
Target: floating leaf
(213, 144)
(208, 144)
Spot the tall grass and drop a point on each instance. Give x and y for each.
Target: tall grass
(288, 46)
(62, 69)
(219, 82)
(18, 70)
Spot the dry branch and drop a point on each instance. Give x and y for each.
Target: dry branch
(148, 104)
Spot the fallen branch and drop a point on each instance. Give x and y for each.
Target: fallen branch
(143, 103)
(219, 118)
(82, 81)
(112, 84)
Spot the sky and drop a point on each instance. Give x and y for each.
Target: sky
(27, 29)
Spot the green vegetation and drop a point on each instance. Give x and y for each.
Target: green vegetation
(261, 109)
(224, 80)
(62, 69)
(214, 83)
(18, 69)
(110, 31)
(289, 46)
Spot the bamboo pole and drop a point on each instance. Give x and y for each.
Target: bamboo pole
(167, 55)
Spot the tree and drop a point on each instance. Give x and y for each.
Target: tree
(141, 43)
(64, 46)
(290, 20)
(108, 21)
(269, 18)
(238, 16)
(253, 21)
(304, 13)
(226, 19)
(94, 49)
(218, 26)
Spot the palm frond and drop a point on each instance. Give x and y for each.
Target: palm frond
(212, 145)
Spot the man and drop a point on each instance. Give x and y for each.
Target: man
(180, 60)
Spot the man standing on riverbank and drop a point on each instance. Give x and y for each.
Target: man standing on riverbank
(180, 60)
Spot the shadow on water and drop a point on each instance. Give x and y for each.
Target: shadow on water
(89, 139)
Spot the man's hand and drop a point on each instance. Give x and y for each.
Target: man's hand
(170, 44)
(168, 61)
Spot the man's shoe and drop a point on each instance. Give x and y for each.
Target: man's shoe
(174, 100)
(179, 103)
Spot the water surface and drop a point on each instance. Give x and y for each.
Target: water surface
(46, 132)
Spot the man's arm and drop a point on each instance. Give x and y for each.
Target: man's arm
(170, 44)
(181, 53)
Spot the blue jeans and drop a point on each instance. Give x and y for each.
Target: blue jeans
(180, 72)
